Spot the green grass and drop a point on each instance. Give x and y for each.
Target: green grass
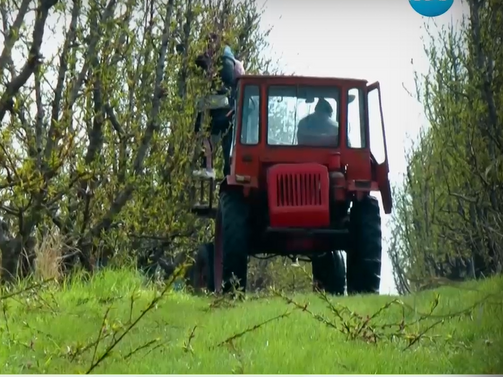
(51, 330)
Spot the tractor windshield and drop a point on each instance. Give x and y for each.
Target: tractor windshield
(303, 115)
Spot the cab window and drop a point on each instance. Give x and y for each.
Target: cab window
(356, 136)
(250, 116)
(303, 115)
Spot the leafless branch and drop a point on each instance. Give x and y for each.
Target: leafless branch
(34, 58)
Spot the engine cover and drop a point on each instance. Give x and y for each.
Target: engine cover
(298, 195)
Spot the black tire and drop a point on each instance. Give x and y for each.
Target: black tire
(235, 240)
(210, 250)
(202, 271)
(329, 273)
(364, 255)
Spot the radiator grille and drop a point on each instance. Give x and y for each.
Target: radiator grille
(298, 196)
(299, 189)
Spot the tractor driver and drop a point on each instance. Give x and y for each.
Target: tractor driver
(318, 129)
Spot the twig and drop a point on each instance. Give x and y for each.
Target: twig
(29, 288)
(100, 332)
(417, 338)
(178, 273)
(305, 309)
(186, 346)
(80, 351)
(4, 311)
(253, 328)
(139, 348)
(131, 306)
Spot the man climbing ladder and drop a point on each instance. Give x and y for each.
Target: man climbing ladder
(219, 104)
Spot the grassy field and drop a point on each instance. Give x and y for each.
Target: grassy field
(68, 328)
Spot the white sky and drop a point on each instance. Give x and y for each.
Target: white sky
(373, 40)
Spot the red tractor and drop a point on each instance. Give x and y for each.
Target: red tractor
(309, 200)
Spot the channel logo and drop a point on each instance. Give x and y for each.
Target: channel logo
(431, 8)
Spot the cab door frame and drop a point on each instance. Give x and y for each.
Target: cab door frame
(382, 169)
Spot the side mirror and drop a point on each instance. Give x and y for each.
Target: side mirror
(351, 98)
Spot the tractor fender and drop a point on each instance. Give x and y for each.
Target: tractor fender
(231, 183)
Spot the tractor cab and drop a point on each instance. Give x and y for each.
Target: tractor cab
(302, 166)
(269, 110)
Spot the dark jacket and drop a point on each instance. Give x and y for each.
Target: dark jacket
(318, 130)
(226, 74)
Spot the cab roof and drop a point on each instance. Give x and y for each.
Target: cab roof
(294, 79)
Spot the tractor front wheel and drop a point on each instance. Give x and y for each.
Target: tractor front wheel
(232, 241)
(364, 255)
(329, 273)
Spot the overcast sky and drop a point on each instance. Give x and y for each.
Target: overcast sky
(370, 39)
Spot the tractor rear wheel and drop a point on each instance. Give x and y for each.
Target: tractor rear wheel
(202, 270)
(329, 273)
(364, 255)
(234, 240)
